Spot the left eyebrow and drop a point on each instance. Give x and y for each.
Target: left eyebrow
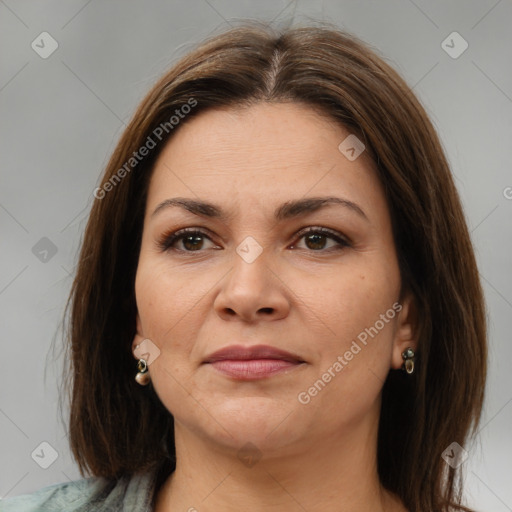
(287, 210)
(300, 207)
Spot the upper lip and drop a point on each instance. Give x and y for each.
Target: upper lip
(241, 352)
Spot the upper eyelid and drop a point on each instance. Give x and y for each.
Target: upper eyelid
(177, 235)
(301, 232)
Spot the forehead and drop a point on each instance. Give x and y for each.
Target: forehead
(280, 133)
(260, 153)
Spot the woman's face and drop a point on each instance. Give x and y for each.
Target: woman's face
(252, 277)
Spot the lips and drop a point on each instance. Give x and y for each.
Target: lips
(241, 353)
(252, 363)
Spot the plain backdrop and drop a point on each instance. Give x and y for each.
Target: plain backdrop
(61, 115)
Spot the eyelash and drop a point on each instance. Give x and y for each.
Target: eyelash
(167, 240)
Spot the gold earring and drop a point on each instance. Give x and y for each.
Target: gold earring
(408, 357)
(143, 376)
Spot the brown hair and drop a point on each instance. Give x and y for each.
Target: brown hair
(119, 428)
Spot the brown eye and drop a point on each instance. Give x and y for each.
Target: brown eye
(316, 239)
(191, 240)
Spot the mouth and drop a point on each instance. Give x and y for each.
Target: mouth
(252, 363)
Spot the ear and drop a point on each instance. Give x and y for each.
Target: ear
(406, 330)
(138, 338)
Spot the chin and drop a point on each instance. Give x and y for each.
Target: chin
(256, 420)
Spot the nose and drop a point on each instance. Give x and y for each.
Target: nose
(252, 292)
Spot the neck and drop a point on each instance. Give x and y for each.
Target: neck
(332, 473)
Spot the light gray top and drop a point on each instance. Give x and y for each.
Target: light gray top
(94, 494)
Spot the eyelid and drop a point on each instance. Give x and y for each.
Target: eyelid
(170, 237)
(331, 233)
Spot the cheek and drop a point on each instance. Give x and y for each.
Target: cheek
(169, 303)
(150, 298)
(356, 296)
(160, 312)
(354, 363)
(158, 309)
(163, 295)
(358, 312)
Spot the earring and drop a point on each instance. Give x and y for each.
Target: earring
(143, 376)
(408, 357)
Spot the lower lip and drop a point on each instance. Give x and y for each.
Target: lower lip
(252, 369)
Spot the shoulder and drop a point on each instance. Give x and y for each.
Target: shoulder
(96, 494)
(64, 496)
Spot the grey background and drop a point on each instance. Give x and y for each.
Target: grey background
(61, 117)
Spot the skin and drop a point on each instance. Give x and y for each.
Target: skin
(298, 295)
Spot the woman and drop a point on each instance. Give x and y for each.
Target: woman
(278, 243)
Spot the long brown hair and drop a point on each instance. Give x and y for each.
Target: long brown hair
(119, 428)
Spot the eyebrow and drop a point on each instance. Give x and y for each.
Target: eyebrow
(287, 210)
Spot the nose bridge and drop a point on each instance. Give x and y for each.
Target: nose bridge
(251, 263)
(251, 288)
